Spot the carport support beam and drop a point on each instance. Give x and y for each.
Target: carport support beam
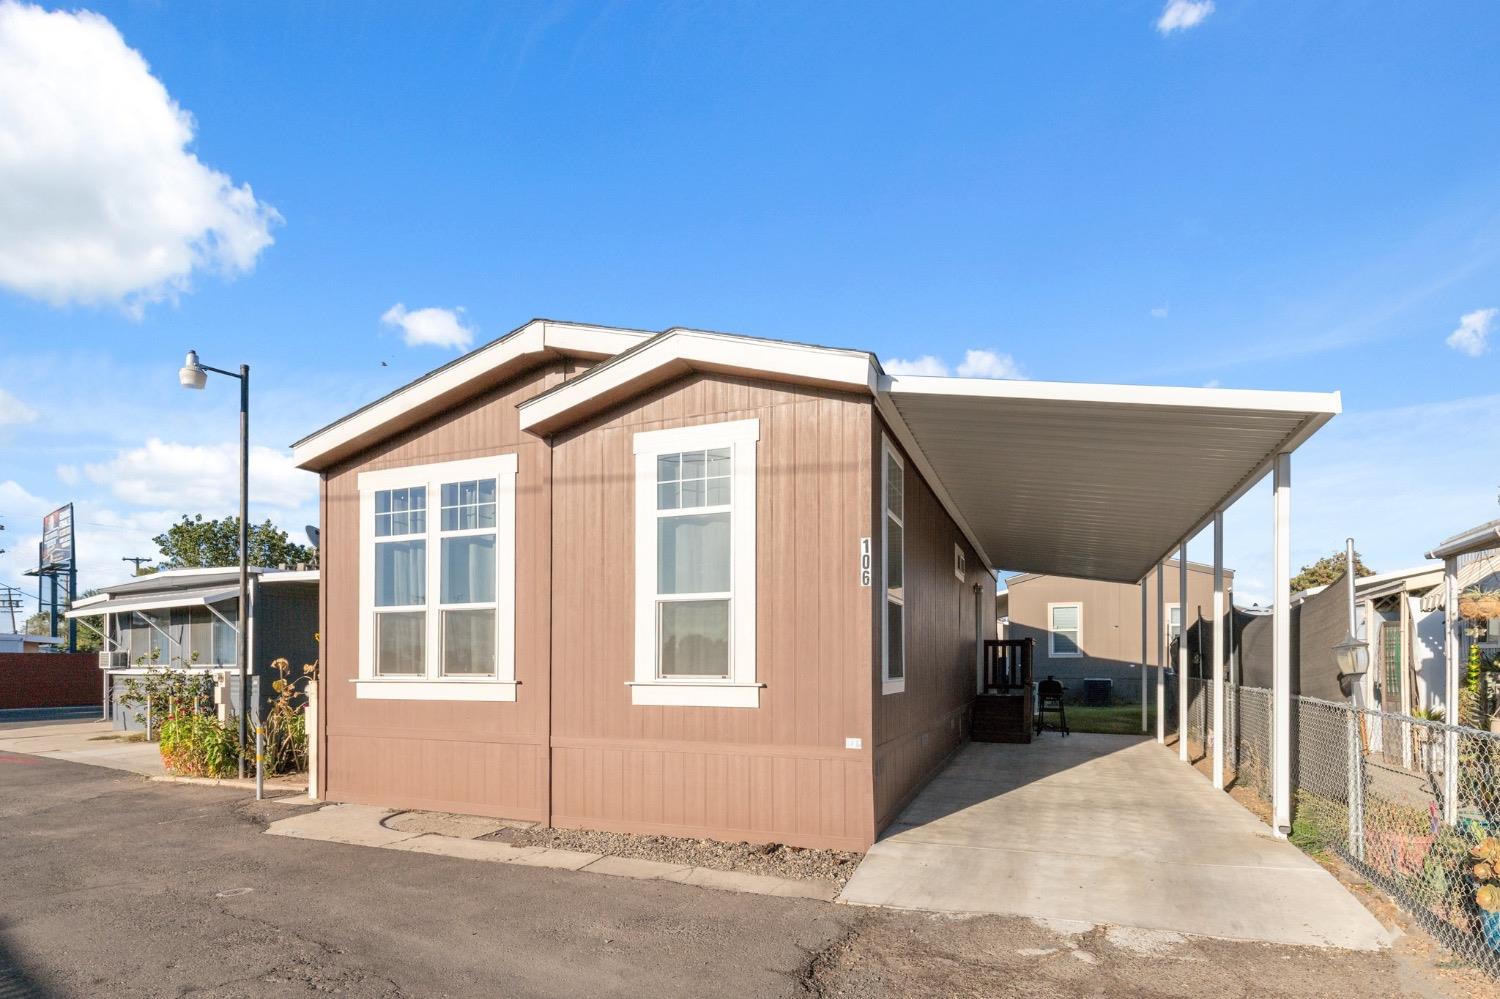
(1182, 659)
(1161, 654)
(1145, 649)
(1218, 730)
(1281, 649)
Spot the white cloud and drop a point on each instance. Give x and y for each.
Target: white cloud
(197, 478)
(68, 475)
(431, 327)
(924, 365)
(1160, 312)
(1473, 334)
(1179, 15)
(1211, 383)
(101, 200)
(13, 411)
(988, 364)
(976, 364)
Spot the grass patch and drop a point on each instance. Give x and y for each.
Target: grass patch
(119, 737)
(1117, 719)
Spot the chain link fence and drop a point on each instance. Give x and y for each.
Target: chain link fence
(1371, 787)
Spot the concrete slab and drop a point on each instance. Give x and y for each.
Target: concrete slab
(633, 867)
(466, 849)
(84, 740)
(357, 825)
(566, 860)
(1106, 830)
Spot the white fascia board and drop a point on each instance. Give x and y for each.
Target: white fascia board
(1328, 403)
(97, 598)
(684, 350)
(1478, 539)
(290, 576)
(539, 337)
(162, 601)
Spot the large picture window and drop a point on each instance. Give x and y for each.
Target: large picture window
(437, 587)
(893, 552)
(695, 566)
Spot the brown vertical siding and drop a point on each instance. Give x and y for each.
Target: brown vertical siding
(777, 772)
(485, 758)
(918, 729)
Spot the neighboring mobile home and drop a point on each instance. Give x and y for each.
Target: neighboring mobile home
(1090, 629)
(708, 585)
(186, 619)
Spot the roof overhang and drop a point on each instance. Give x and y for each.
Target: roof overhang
(488, 366)
(678, 352)
(1477, 539)
(1093, 481)
(153, 602)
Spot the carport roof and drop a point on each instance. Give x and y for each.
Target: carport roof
(1094, 481)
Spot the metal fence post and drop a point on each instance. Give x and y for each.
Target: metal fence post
(1356, 767)
(260, 741)
(148, 717)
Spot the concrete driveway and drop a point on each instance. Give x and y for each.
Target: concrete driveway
(1104, 829)
(81, 740)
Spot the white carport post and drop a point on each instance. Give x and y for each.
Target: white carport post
(1182, 657)
(1218, 723)
(1145, 646)
(1161, 655)
(1281, 649)
(1452, 654)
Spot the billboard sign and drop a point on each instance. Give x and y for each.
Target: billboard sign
(57, 537)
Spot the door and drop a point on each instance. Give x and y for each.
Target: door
(1392, 730)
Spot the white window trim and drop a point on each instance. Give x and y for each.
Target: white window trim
(1166, 616)
(960, 562)
(433, 686)
(1052, 652)
(739, 689)
(888, 684)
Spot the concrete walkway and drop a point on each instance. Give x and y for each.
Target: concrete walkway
(368, 825)
(1104, 829)
(84, 740)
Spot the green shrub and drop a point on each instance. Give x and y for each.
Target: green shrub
(199, 745)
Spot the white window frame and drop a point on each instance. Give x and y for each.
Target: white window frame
(888, 683)
(740, 688)
(960, 561)
(1167, 610)
(1052, 652)
(432, 685)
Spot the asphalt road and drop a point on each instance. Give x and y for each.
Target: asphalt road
(113, 886)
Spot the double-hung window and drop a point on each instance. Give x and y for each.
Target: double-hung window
(437, 581)
(1064, 631)
(695, 566)
(893, 572)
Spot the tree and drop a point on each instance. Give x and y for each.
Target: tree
(195, 543)
(1326, 570)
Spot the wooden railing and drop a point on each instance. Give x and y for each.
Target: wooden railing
(1007, 665)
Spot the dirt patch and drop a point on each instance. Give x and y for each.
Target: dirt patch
(999, 957)
(775, 859)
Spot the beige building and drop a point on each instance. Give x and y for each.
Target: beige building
(1091, 629)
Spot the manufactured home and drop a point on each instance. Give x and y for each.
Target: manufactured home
(711, 585)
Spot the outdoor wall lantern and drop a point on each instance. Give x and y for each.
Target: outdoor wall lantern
(1351, 656)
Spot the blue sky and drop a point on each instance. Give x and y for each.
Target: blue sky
(1268, 195)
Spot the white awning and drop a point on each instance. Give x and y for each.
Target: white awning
(1095, 481)
(159, 601)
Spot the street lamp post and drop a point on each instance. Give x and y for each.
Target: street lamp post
(1352, 656)
(194, 375)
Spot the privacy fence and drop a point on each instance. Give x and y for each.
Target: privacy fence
(1369, 786)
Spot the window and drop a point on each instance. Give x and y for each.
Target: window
(893, 552)
(437, 581)
(1174, 622)
(1491, 637)
(225, 643)
(960, 563)
(1065, 631)
(695, 566)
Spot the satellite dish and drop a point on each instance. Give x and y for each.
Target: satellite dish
(312, 534)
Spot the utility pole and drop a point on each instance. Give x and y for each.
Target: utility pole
(136, 561)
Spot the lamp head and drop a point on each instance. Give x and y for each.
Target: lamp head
(191, 374)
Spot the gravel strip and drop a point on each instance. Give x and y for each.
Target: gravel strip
(773, 859)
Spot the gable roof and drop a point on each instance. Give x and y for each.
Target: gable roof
(1090, 481)
(482, 368)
